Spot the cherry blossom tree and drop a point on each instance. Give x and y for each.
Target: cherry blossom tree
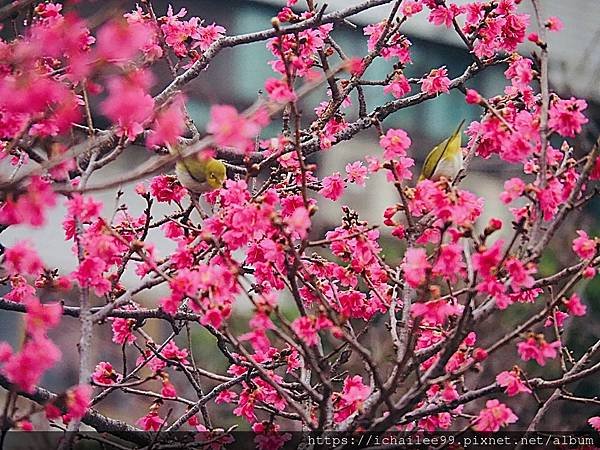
(253, 240)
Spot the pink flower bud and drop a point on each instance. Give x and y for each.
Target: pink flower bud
(480, 354)
(473, 97)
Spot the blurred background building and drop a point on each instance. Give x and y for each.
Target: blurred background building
(237, 76)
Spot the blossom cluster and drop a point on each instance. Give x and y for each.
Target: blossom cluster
(388, 324)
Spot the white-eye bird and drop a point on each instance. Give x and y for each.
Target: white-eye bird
(199, 172)
(445, 159)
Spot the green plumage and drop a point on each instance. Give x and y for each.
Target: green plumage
(199, 173)
(445, 159)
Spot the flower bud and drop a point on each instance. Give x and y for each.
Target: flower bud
(494, 225)
(480, 354)
(473, 97)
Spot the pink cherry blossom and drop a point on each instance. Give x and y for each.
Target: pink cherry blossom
(449, 263)
(357, 173)
(29, 208)
(557, 317)
(104, 374)
(299, 222)
(436, 82)
(120, 41)
(353, 394)
(230, 129)
(520, 72)
(536, 347)
(225, 396)
(78, 400)
(208, 35)
(355, 66)
(128, 104)
(231, 258)
(517, 151)
(435, 312)
(151, 421)
(415, 266)
(589, 273)
(486, 260)
(520, 274)
(583, 246)
(85, 209)
(286, 14)
(551, 198)
(123, 331)
(333, 187)
(411, 7)
(279, 91)
(178, 32)
(169, 125)
(398, 87)
(268, 436)
(494, 416)
(473, 97)
(168, 390)
(442, 15)
(185, 35)
(5, 351)
(25, 368)
(554, 24)
(90, 273)
(173, 352)
(513, 31)
(166, 188)
(513, 189)
(41, 317)
(566, 117)
(398, 45)
(307, 328)
(22, 259)
(512, 382)
(574, 305)
(21, 290)
(394, 143)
